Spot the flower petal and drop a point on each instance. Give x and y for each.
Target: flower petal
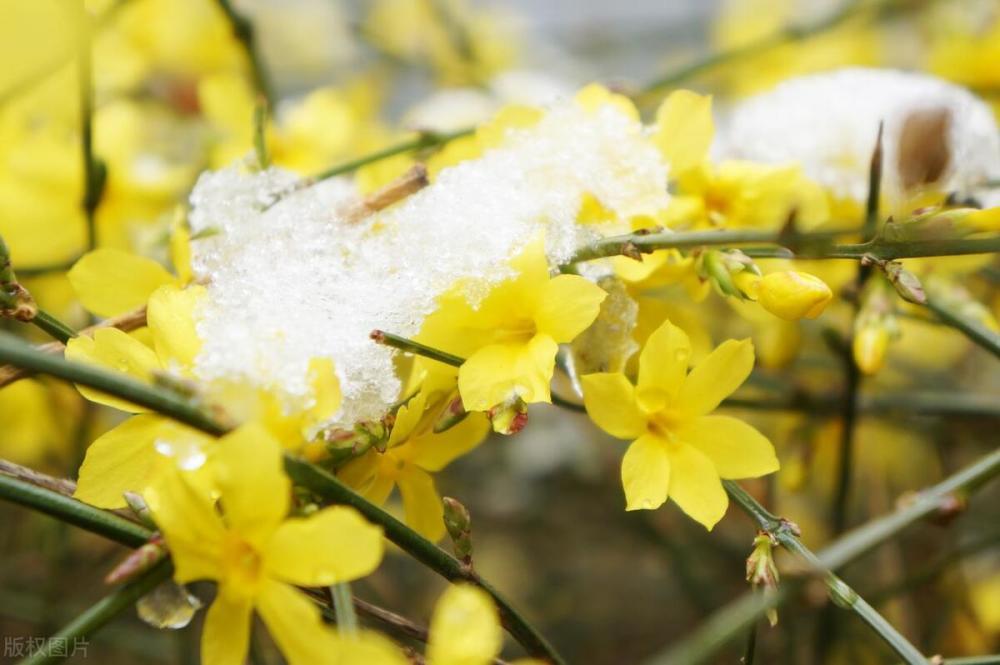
(334, 545)
(567, 304)
(646, 473)
(684, 129)
(252, 483)
(117, 351)
(111, 282)
(498, 372)
(185, 513)
(295, 624)
(465, 628)
(716, 377)
(433, 452)
(695, 485)
(610, 402)
(407, 418)
(124, 459)
(421, 502)
(736, 449)
(172, 322)
(225, 637)
(662, 366)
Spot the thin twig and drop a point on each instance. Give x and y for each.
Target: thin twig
(409, 183)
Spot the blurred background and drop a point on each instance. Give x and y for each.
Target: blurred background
(173, 95)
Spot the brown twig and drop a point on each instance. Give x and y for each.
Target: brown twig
(410, 182)
(63, 486)
(125, 322)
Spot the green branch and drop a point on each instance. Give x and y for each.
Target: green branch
(800, 245)
(244, 33)
(68, 509)
(99, 614)
(15, 352)
(729, 622)
(974, 330)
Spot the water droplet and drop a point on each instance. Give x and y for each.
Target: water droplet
(188, 455)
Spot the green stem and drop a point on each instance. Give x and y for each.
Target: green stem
(59, 646)
(343, 607)
(973, 660)
(53, 326)
(422, 141)
(842, 594)
(729, 622)
(15, 352)
(974, 330)
(72, 511)
(331, 489)
(804, 245)
(410, 346)
(243, 30)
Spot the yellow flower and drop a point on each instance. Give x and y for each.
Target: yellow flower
(869, 347)
(678, 450)
(793, 295)
(510, 340)
(465, 629)
(413, 452)
(257, 556)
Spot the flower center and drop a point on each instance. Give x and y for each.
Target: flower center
(662, 423)
(519, 331)
(241, 562)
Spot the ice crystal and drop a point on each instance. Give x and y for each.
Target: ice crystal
(294, 281)
(828, 124)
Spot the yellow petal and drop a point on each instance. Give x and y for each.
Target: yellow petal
(186, 515)
(180, 251)
(610, 402)
(736, 449)
(684, 129)
(496, 373)
(117, 351)
(252, 483)
(637, 271)
(465, 628)
(695, 485)
(294, 623)
(593, 96)
(326, 390)
(716, 377)
(334, 545)
(111, 282)
(171, 318)
(433, 452)
(225, 637)
(124, 459)
(407, 418)
(662, 366)
(568, 304)
(421, 503)
(646, 473)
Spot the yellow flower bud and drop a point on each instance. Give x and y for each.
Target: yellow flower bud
(794, 295)
(748, 283)
(870, 344)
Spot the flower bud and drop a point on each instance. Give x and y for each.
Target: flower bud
(458, 522)
(762, 571)
(794, 295)
(138, 561)
(452, 414)
(509, 417)
(870, 344)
